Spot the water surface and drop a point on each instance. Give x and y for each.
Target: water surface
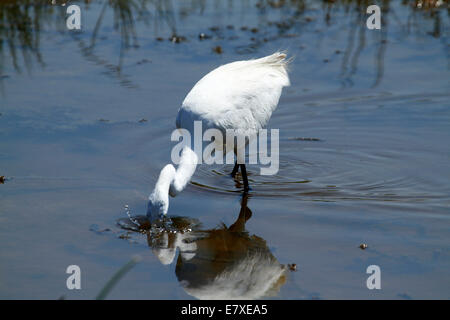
(85, 128)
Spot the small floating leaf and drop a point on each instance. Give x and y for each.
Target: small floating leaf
(218, 50)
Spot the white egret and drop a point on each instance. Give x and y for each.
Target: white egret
(240, 96)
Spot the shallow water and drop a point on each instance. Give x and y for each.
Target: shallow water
(85, 129)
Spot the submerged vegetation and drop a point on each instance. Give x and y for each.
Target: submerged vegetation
(22, 24)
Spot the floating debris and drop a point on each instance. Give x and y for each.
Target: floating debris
(103, 120)
(160, 39)
(276, 4)
(142, 120)
(230, 27)
(2, 179)
(254, 30)
(305, 139)
(214, 28)
(337, 52)
(363, 246)
(218, 50)
(177, 39)
(243, 28)
(292, 267)
(326, 60)
(204, 36)
(143, 61)
(283, 25)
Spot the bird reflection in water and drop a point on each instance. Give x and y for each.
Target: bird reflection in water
(221, 263)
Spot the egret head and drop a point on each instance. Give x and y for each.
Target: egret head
(158, 201)
(157, 208)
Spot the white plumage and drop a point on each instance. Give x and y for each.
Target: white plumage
(240, 96)
(171, 181)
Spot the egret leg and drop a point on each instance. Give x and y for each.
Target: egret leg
(235, 169)
(244, 215)
(244, 176)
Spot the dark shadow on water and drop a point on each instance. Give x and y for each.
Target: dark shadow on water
(220, 263)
